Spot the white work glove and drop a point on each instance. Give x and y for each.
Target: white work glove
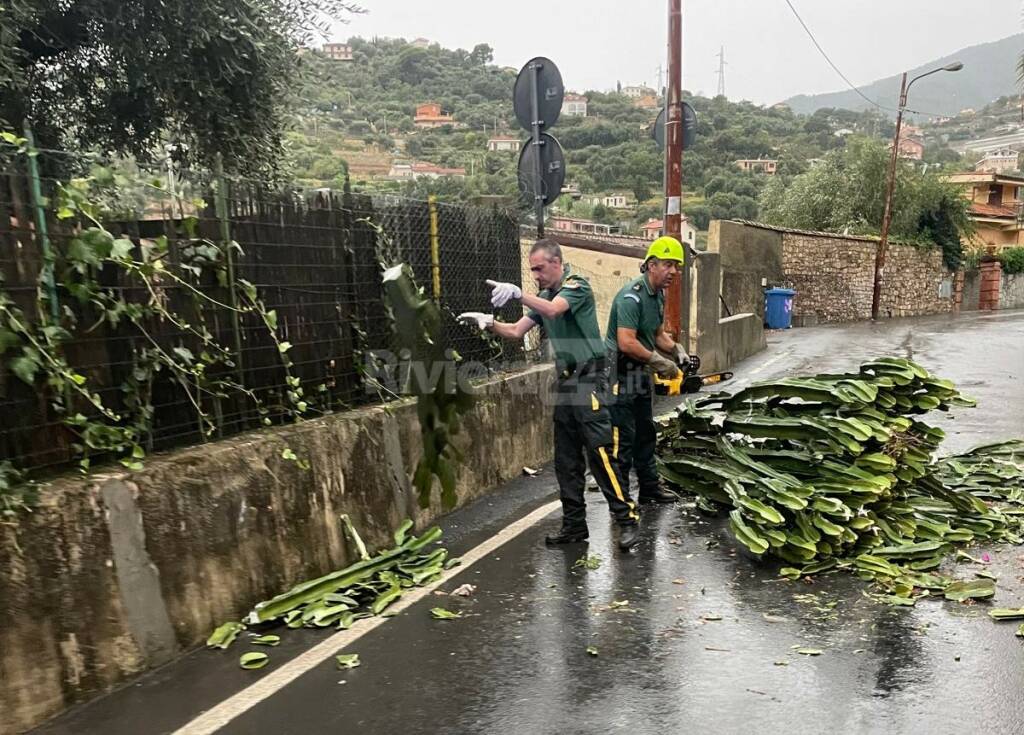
(679, 354)
(482, 321)
(662, 366)
(502, 293)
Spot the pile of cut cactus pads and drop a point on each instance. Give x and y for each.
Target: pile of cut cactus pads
(834, 472)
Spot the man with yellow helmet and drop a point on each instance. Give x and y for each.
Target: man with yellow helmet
(638, 346)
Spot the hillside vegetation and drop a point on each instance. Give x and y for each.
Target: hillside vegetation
(356, 117)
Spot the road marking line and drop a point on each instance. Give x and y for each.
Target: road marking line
(216, 718)
(771, 361)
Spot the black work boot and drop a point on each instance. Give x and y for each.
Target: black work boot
(629, 536)
(568, 536)
(659, 494)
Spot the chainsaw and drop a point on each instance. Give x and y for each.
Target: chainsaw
(688, 380)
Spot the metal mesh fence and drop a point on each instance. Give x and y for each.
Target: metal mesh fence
(314, 259)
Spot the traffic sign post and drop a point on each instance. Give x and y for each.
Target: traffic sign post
(537, 98)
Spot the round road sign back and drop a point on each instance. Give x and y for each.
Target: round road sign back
(549, 93)
(689, 127)
(552, 169)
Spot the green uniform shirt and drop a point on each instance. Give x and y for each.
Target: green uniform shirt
(636, 306)
(574, 335)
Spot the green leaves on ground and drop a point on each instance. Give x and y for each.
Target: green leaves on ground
(839, 472)
(978, 589)
(338, 599)
(224, 636)
(266, 640)
(347, 660)
(253, 660)
(439, 613)
(589, 562)
(1002, 613)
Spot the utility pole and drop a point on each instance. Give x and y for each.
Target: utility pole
(721, 71)
(883, 239)
(674, 312)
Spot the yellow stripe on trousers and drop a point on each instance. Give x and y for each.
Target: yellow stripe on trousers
(615, 482)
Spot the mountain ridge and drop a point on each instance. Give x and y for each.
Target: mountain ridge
(990, 72)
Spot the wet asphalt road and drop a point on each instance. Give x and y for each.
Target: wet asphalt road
(689, 634)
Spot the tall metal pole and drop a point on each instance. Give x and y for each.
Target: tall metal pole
(42, 234)
(538, 195)
(674, 166)
(883, 240)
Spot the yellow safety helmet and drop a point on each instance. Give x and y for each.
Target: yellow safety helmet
(666, 248)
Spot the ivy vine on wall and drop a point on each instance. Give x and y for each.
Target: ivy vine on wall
(32, 345)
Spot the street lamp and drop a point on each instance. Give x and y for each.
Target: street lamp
(883, 241)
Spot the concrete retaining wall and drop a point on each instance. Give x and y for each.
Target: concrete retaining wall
(833, 275)
(751, 259)
(720, 342)
(1011, 293)
(115, 574)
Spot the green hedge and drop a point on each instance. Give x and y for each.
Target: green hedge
(1012, 260)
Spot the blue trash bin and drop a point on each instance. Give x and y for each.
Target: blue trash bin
(778, 308)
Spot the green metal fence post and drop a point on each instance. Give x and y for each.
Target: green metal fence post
(36, 192)
(221, 205)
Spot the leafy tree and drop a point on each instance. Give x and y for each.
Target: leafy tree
(846, 193)
(641, 189)
(209, 75)
(481, 54)
(602, 214)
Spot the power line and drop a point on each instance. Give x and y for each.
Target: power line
(850, 84)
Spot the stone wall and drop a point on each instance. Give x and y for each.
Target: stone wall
(833, 275)
(115, 574)
(1011, 291)
(1011, 295)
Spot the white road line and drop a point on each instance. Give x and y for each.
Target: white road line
(216, 718)
(770, 361)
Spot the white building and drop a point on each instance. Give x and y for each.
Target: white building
(615, 201)
(1001, 161)
(338, 51)
(503, 144)
(574, 105)
(636, 91)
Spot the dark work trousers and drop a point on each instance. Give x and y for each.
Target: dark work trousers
(583, 434)
(634, 433)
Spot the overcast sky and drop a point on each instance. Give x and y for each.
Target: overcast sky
(769, 58)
